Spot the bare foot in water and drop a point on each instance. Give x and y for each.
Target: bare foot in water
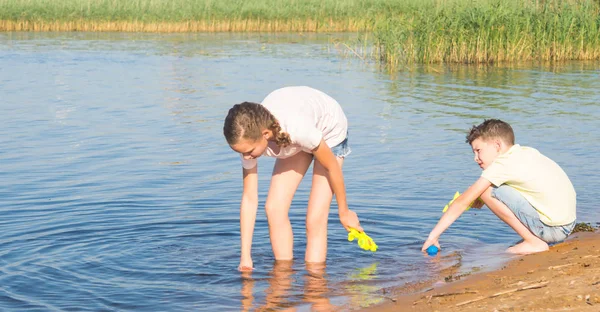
(527, 247)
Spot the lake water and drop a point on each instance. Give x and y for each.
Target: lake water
(119, 191)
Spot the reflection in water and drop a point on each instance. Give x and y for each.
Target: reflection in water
(280, 284)
(247, 291)
(316, 290)
(361, 293)
(281, 294)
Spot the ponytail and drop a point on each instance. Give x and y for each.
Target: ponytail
(281, 138)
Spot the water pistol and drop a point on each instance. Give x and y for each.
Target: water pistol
(364, 241)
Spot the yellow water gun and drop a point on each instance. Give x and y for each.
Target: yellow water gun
(364, 241)
(455, 197)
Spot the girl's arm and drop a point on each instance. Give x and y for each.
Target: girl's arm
(336, 179)
(248, 209)
(455, 209)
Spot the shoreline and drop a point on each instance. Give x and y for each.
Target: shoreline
(567, 277)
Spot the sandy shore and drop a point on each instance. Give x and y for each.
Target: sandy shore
(565, 278)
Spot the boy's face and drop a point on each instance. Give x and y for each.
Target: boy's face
(485, 151)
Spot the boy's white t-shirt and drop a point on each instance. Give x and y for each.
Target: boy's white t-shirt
(539, 179)
(307, 115)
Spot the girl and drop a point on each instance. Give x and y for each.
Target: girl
(293, 124)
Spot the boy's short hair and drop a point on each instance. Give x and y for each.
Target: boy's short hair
(492, 128)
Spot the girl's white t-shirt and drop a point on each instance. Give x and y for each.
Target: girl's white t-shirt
(307, 115)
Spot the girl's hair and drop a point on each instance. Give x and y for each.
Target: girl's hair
(247, 120)
(492, 128)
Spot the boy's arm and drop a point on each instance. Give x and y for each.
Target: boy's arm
(455, 209)
(248, 208)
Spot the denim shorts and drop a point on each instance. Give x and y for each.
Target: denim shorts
(342, 150)
(529, 216)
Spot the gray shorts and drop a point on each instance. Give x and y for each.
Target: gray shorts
(529, 216)
(342, 150)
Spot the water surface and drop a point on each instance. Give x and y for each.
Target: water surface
(120, 193)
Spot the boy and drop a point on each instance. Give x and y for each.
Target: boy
(525, 189)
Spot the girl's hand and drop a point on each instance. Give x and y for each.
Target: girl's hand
(349, 219)
(245, 265)
(430, 242)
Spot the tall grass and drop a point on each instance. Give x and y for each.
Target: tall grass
(191, 15)
(403, 31)
(491, 31)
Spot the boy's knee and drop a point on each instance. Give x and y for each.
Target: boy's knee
(502, 191)
(486, 196)
(508, 195)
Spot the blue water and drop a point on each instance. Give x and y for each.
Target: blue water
(119, 192)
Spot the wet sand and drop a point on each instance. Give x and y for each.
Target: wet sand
(565, 278)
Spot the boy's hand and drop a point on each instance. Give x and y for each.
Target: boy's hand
(478, 203)
(245, 265)
(430, 242)
(349, 219)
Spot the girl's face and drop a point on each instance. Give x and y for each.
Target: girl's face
(485, 151)
(251, 149)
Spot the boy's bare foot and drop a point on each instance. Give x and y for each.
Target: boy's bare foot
(528, 247)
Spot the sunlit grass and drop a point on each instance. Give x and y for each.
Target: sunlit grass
(400, 32)
(190, 15)
(491, 32)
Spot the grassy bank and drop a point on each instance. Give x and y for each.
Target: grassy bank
(491, 32)
(191, 15)
(403, 31)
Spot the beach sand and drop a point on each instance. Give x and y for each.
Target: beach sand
(565, 278)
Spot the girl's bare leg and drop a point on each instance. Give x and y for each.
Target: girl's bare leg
(317, 214)
(286, 177)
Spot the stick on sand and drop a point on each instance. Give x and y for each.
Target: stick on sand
(534, 286)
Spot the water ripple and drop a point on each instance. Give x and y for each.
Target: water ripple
(119, 192)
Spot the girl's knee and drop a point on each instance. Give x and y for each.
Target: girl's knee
(274, 213)
(316, 224)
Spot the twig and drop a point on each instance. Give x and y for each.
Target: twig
(429, 297)
(590, 256)
(456, 293)
(521, 283)
(535, 286)
(595, 283)
(470, 301)
(517, 283)
(349, 48)
(559, 266)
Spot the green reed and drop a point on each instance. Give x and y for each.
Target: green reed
(218, 15)
(491, 32)
(401, 31)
